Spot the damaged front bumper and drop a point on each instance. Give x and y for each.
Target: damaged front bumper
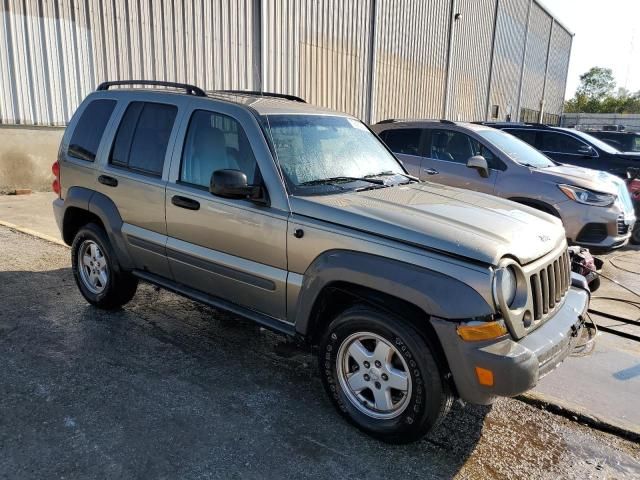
(516, 366)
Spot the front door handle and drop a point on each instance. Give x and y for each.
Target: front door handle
(108, 181)
(430, 171)
(184, 202)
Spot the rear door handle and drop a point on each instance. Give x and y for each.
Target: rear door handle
(184, 202)
(108, 181)
(430, 171)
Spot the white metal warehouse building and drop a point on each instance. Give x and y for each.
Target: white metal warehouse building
(376, 59)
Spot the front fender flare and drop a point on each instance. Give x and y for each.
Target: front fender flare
(433, 292)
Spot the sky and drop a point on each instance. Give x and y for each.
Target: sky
(607, 34)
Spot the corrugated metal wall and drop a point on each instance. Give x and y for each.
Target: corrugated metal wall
(511, 28)
(471, 59)
(535, 58)
(53, 53)
(318, 50)
(556, 81)
(372, 58)
(410, 58)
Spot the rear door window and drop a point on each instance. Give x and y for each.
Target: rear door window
(89, 129)
(403, 140)
(143, 135)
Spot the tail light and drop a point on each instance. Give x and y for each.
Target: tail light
(55, 169)
(634, 189)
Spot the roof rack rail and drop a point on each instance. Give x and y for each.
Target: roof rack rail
(387, 120)
(448, 122)
(189, 89)
(536, 124)
(265, 94)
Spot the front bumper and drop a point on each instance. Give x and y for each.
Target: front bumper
(596, 227)
(516, 365)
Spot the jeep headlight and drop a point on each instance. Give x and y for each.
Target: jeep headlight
(587, 197)
(509, 287)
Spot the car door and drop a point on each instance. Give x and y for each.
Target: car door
(445, 161)
(406, 144)
(564, 148)
(134, 176)
(233, 249)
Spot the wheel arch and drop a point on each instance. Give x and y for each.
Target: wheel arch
(339, 277)
(83, 206)
(537, 204)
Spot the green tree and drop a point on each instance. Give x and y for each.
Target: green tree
(597, 83)
(596, 94)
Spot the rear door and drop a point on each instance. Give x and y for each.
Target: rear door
(407, 145)
(446, 157)
(135, 174)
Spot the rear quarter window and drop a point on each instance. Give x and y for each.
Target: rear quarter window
(89, 129)
(143, 135)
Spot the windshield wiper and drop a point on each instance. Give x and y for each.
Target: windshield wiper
(333, 180)
(389, 173)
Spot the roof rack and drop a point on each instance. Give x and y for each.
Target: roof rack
(189, 89)
(264, 94)
(394, 120)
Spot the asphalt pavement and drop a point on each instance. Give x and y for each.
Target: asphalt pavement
(167, 388)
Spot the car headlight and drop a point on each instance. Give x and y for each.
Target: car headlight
(506, 286)
(587, 197)
(509, 286)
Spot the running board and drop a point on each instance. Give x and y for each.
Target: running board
(263, 320)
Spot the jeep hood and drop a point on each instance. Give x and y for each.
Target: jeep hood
(474, 225)
(580, 177)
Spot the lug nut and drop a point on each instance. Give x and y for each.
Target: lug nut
(385, 377)
(378, 385)
(378, 364)
(366, 377)
(366, 364)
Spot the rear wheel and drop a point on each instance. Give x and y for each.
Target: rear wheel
(97, 272)
(382, 375)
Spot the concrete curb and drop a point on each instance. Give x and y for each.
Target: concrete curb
(33, 233)
(577, 414)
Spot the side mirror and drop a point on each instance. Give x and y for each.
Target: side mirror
(587, 151)
(231, 183)
(479, 163)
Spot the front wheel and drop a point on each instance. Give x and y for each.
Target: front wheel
(382, 375)
(635, 236)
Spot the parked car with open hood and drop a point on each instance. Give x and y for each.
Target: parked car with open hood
(300, 219)
(594, 206)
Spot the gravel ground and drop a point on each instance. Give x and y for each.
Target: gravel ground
(166, 388)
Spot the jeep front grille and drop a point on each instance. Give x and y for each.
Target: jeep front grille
(549, 284)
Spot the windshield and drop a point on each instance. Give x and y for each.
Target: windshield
(324, 153)
(516, 149)
(596, 142)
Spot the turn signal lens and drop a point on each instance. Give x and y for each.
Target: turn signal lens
(485, 377)
(481, 331)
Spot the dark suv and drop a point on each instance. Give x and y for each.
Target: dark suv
(567, 145)
(623, 141)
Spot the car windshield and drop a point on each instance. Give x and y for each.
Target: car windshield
(516, 149)
(325, 153)
(595, 142)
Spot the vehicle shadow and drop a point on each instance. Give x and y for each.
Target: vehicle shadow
(166, 387)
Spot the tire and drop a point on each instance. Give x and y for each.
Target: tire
(402, 416)
(97, 272)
